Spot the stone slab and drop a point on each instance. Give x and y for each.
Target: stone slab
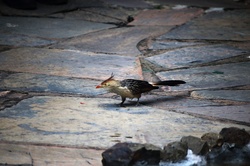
(101, 15)
(165, 17)
(236, 95)
(189, 56)
(129, 3)
(96, 122)
(228, 25)
(48, 28)
(17, 40)
(68, 63)
(218, 76)
(21, 154)
(239, 114)
(204, 3)
(172, 100)
(171, 44)
(117, 41)
(52, 84)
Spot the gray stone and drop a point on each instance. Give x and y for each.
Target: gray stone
(116, 41)
(53, 84)
(189, 56)
(21, 154)
(102, 15)
(171, 44)
(218, 76)
(235, 95)
(233, 113)
(129, 3)
(198, 146)
(19, 40)
(48, 28)
(67, 63)
(229, 25)
(174, 152)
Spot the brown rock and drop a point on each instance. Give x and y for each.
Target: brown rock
(198, 146)
(212, 139)
(236, 136)
(119, 154)
(125, 154)
(174, 152)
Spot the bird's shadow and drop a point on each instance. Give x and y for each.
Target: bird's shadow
(144, 105)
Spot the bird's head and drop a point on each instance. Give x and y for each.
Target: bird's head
(109, 83)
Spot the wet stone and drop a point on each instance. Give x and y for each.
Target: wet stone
(198, 146)
(228, 154)
(228, 25)
(236, 95)
(236, 136)
(48, 28)
(131, 154)
(218, 76)
(67, 63)
(184, 57)
(212, 139)
(174, 152)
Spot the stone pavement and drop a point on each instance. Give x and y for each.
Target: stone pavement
(52, 58)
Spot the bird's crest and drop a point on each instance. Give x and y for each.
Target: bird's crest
(110, 78)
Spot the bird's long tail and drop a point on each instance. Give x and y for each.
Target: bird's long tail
(170, 83)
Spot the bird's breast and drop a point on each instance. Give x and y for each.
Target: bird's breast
(124, 92)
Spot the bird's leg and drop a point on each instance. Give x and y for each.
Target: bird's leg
(123, 99)
(137, 103)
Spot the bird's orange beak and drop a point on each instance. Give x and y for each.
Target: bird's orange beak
(98, 86)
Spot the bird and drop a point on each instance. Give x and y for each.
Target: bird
(132, 88)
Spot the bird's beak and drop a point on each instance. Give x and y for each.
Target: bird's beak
(98, 86)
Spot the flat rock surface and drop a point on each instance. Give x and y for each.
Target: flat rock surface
(165, 17)
(17, 154)
(205, 3)
(52, 84)
(52, 58)
(236, 95)
(120, 41)
(236, 113)
(228, 25)
(218, 76)
(189, 56)
(44, 28)
(66, 63)
(98, 122)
